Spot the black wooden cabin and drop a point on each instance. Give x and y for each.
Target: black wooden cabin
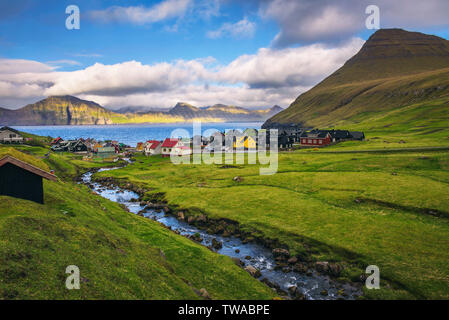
(21, 180)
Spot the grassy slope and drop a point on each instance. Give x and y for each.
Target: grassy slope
(338, 105)
(311, 201)
(117, 252)
(394, 69)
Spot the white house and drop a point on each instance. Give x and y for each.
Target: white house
(182, 150)
(9, 135)
(152, 147)
(168, 145)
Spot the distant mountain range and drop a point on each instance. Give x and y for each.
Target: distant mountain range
(69, 110)
(394, 69)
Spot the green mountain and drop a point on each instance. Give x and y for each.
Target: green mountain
(68, 110)
(57, 110)
(221, 111)
(394, 70)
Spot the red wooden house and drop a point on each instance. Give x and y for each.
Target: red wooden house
(315, 138)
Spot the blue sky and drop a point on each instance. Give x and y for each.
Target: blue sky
(155, 53)
(39, 33)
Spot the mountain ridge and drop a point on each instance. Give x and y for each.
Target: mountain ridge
(70, 110)
(394, 68)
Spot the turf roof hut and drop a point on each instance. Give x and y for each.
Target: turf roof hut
(22, 180)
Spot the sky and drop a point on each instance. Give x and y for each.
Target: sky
(153, 54)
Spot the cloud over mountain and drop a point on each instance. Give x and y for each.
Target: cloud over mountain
(307, 21)
(266, 78)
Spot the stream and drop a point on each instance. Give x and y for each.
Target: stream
(313, 286)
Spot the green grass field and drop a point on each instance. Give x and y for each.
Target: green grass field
(120, 255)
(356, 208)
(343, 204)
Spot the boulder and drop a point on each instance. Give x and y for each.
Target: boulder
(292, 260)
(204, 294)
(322, 266)
(253, 271)
(181, 215)
(237, 179)
(238, 262)
(196, 237)
(293, 290)
(281, 253)
(217, 245)
(335, 269)
(300, 267)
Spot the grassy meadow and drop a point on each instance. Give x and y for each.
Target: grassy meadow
(389, 209)
(383, 201)
(120, 255)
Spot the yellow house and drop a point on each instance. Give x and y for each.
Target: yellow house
(245, 142)
(96, 147)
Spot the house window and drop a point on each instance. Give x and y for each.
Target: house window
(314, 141)
(320, 141)
(310, 141)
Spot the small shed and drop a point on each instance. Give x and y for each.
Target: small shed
(22, 180)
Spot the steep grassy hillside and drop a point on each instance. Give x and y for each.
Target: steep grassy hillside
(120, 255)
(58, 110)
(394, 69)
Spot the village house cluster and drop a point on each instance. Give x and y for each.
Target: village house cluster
(102, 149)
(228, 141)
(247, 140)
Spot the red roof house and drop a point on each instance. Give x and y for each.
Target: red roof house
(152, 147)
(56, 141)
(168, 145)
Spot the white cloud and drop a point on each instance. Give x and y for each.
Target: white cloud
(241, 29)
(207, 9)
(11, 66)
(304, 66)
(271, 76)
(142, 15)
(58, 63)
(306, 21)
(10, 90)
